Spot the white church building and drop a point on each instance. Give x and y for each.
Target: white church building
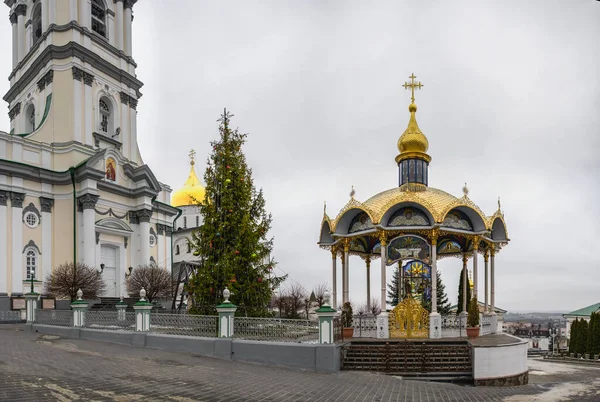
(73, 185)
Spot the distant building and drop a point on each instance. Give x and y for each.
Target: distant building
(583, 313)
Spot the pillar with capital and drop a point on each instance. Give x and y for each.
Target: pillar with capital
(346, 269)
(87, 204)
(494, 317)
(475, 257)
(383, 330)
(144, 216)
(486, 257)
(20, 12)
(368, 263)
(128, 21)
(15, 40)
(334, 276)
(435, 319)
(465, 285)
(16, 200)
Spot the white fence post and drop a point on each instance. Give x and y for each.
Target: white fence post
(121, 308)
(142, 313)
(226, 312)
(326, 314)
(79, 307)
(31, 304)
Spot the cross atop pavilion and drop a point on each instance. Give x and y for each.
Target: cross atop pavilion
(192, 157)
(412, 85)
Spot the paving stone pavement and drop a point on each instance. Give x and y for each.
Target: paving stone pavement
(35, 367)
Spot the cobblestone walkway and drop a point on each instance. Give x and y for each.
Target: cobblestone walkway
(35, 367)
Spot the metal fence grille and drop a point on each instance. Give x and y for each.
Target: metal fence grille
(63, 318)
(111, 320)
(453, 326)
(365, 326)
(10, 316)
(276, 329)
(486, 325)
(338, 329)
(184, 324)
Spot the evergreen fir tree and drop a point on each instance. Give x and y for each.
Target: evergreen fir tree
(582, 335)
(573, 337)
(233, 240)
(593, 341)
(460, 292)
(394, 287)
(443, 305)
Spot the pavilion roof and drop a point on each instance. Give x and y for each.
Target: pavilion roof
(584, 312)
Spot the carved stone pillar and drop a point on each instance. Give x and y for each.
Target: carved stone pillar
(4, 230)
(475, 267)
(15, 40)
(128, 21)
(334, 276)
(120, 28)
(16, 200)
(46, 206)
(465, 284)
(383, 242)
(144, 216)
(20, 11)
(368, 263)
(486, 258)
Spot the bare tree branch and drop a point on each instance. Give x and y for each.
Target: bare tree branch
(63, 284)
(155, 280)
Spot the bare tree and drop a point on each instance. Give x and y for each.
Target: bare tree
(155, 280)
(375, 306)
(65, 280)
(319, 292)
(295, 300)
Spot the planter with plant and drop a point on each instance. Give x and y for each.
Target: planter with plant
(347, 320)
(473, 319)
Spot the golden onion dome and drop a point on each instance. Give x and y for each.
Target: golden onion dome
(191, 193)
(413, 143)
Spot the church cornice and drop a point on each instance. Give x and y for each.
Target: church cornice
(71, 49)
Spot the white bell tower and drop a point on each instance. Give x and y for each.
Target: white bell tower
(73, 82)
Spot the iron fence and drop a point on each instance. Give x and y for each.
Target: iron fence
(365, 326)
(486, 325)
(338, 329)
(10, 316)
(454, 326)
(110, 320)
(63, 318)
(276, 329)
(184, 324)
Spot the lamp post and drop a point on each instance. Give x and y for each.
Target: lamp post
(553, 333)
(32, 276)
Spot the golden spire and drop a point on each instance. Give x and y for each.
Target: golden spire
(193, 191)
(413, 143)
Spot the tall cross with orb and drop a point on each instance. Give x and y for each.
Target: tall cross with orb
(192, 157)
(412, 85)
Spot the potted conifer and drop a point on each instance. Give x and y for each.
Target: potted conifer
(347, 320)
(473, 319)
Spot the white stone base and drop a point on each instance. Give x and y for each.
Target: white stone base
(435, 326)
(383, 329)
(494, 322)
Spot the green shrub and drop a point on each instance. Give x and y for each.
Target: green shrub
(347, 315)
(473, 317)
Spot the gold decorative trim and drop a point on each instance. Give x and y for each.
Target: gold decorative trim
(409, 320)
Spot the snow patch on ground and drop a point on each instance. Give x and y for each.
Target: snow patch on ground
(558, 394)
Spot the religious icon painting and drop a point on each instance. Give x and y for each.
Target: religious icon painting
(408, 247)
(111, 169)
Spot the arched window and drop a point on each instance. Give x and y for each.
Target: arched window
(105, 116)
(30, 263)
(30, 119)
(99, 17)
(36, 20)
(177, 249)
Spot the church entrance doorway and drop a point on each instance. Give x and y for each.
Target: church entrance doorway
(108, 257)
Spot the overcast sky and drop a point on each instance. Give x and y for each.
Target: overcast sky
(510, 105)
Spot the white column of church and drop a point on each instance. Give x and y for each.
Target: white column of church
(144, 217)
(45, 15)
(3, 242)
(119, 28)
(17, 241)
(168, 236)
(133, 145)
(368, 262)
(85, 16)
(475, 258)
(88, 128)
(160, 243)
(15, 40)
(77, 83)
(486, 279)
(347, 273)
(128, 21)
(28, 36)
(51, 12)
(89, 234)
(125, 136)
(46, 222)
(383, 278)
(21, 35)
(334, 277)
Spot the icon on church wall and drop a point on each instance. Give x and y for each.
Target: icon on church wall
(111, 169)
(408, 247)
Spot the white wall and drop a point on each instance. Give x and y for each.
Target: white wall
(500, 361)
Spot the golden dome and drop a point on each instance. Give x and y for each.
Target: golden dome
(191, 193)
(413, 143)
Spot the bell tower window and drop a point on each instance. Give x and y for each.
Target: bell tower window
(37, 23)
(99, 17)
(105, 116)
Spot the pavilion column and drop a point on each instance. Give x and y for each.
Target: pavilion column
(346, 270)
(343, 275)
(383, 330)
(435, 319)
(334, 276)
(494, 319)
(368, 262)
(475, 258)
(465, 284)
(486, 257)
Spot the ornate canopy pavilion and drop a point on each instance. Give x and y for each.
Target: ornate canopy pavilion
(417, 223)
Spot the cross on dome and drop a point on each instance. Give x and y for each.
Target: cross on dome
(412, 85)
